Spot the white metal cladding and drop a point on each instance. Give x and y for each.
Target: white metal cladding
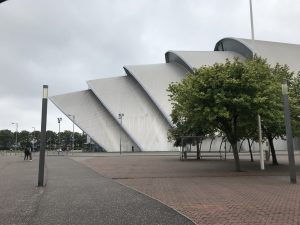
(274, 52)
(142, 96)
(142, 120)
(155, 80)
(94, 119)
(195, 59)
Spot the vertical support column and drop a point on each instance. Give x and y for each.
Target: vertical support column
(289, 135)
(261, 153)
(43, 136)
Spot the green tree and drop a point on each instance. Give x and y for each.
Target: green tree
(6, 139)
(36, 135)
(294, 100)
(79, 140)
(24, 137)
(51, 138)
(272, 113)
(225, 97)
(36, 139)
(66, 138)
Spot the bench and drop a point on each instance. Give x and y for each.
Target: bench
(203, 154)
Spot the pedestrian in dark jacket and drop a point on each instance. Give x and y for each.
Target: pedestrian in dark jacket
(27, 151)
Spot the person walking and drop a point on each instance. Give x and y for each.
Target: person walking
(26, 153)
(28, 150)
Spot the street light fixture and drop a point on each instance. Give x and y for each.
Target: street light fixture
(120, 118)
(33, 138)
(73, 119)
(43, 136)
(16, 141)
(59, 120)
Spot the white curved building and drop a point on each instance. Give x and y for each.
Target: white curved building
(142, 95)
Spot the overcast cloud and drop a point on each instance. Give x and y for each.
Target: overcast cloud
(63, 43)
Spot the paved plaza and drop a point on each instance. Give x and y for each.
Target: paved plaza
(146, 189)
(74, 195)
(210, 191)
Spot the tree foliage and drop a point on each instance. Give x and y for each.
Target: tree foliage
(227, 97)
(294, 100)
(8, 138)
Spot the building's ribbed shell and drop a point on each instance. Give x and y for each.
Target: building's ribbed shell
(142, 95)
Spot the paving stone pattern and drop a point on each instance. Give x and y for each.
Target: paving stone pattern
(74, 195)
(209, 191)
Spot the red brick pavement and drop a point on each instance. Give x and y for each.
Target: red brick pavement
(209, 191)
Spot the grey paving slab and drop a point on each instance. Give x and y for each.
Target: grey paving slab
(209, 191)
(74, 194)
(19, 195)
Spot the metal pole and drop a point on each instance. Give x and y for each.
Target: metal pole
(43, 136)
(120, 117)
(59, 120)
(251, 18)
(33, 136)
(16, 135)
(73, 119)
(289, 135)
(121, 135)
(16, 139)
(73, 134)
(59, 135)
(252, 29)
(262, 164)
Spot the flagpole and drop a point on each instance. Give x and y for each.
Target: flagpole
(262, 163)
(251, 18)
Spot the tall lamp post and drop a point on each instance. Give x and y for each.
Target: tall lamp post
(33, 138)
(43, 136)
(262, 164)
(59, 120)
(120, 118)
(73, 119)
(289, 135)
(16, 141)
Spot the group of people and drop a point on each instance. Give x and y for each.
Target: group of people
(28, 151)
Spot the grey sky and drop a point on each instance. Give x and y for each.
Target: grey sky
(63, 43)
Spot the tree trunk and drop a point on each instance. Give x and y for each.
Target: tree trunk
(230, 129)
(250, 150)
(234, 145)
(274, 158)
(236, 156)
(212, 139)
(198, 150)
